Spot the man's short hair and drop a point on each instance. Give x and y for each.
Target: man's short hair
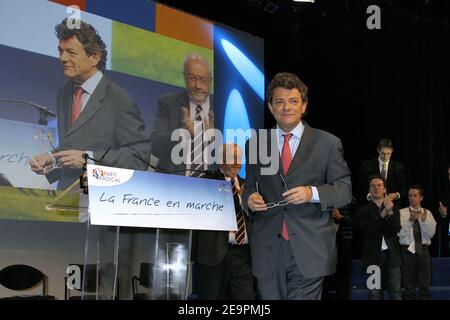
(88, 37)
(287, 80)
(376, 176)
(385, 143)
(416, 187)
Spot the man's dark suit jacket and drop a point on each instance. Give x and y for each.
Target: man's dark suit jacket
(374, 227)
(110, 119)
(169, 117)
(396, 178)
(319, 161)
(210, 247)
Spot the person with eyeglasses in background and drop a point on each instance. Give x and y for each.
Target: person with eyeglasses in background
(293, 239)
(223, 258)
(191, 109)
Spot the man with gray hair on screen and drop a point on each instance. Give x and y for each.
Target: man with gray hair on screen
(191, 109)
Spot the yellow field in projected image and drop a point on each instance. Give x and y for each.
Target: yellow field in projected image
(152, 56)
(29, 204)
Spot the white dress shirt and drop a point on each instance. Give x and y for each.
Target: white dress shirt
(294, 142)
(427, 227)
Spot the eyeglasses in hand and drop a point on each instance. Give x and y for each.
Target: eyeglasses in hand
(281, 203)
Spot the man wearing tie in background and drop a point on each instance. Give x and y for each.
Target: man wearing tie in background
(418, 227)
(393, 173)
(223, 258)
(95, 115)
(193, 110)
(293, 237)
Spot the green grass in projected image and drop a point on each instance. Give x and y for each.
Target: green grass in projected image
(152, 56)
(29, 204)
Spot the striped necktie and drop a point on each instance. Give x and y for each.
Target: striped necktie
(417, 234)
(197, 163)
(240, 219)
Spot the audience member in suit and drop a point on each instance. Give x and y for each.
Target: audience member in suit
(223, 258)
(418, 227)
(343, 221)
(444, 216)
(393, 172)
(293, 238)
(95, 116)
(379, 221)
(180, 110)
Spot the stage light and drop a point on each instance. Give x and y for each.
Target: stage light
(236, 118)
(248, 70)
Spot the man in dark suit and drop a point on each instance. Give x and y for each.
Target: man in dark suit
(379, 220)
(393, 172)
(191, 110)
(293, 236)
(223, 258)
(95, 116)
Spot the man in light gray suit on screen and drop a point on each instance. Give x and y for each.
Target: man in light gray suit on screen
(293, 237)
(184, 110)
(95, 115)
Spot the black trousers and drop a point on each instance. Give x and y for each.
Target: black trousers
(416, 273)
(231, 279)
(340, 280)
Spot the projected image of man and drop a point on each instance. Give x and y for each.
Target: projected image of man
(95, 116)
(191, 109)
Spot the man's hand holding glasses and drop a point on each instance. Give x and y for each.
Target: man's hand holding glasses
(46, 162)
(70, 158)
(41, 163)
(297, 195)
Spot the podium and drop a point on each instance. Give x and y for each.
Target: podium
(151, 263)
(124, 255)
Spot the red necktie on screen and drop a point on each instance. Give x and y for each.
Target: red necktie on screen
(240, 233)
(286, 159)
(77, 103)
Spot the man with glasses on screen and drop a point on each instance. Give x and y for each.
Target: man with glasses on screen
(293, 236)
(95, 116)
(191, 109)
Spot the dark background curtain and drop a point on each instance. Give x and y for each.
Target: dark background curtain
(369, 84)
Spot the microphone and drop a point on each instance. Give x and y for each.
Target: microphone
(86, 157)
(206, 172)
(43, 111)
(83, 177)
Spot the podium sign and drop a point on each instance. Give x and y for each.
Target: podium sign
(123, 197)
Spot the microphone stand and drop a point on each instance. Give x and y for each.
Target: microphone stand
(84, 175)
(43, 111)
